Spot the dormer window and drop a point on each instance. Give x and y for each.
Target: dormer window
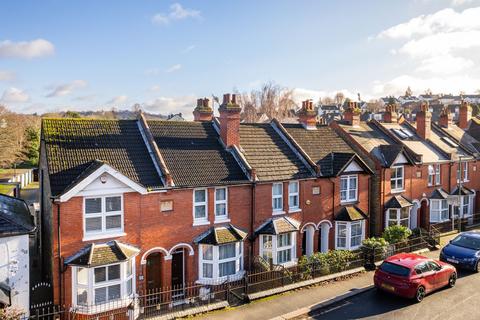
(103, 217)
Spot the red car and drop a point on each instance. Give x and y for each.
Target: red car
(413, 276)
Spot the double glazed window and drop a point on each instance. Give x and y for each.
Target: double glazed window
(462, 170)
(103, 215)
(200, 205)
(100, 285)
(348, 188)
(221, 203)
(349, 235)
(438, 210)
(277, 196)
(465, 207)
(399, 217)
(396, 179)
(293, 195)
(278, 249)
(434, 175)
(217, 262)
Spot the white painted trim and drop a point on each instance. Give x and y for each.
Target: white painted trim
(103, 234)
(353, 167)
(191, 252)
(153, 250)
(308, 224)
(328, 222)
(105, 168)
(200, 221)
(400, 160)
(215, 201)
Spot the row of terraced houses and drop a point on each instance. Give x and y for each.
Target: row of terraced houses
(135, 205)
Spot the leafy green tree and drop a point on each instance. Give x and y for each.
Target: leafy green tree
(32, 145)
(72, 114)
(396, 233)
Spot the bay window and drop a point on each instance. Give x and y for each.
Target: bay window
(103, 216)
(103, 285)
(396, 178)
(348, 188)
(466, 208)
(278, 249)
(277, 197)
(349, 235)
(221, 262)
(438, 210)
(200, 206)
(221, 204)
(398, 216)
(293, 195)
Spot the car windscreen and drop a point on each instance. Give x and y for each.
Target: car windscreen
(467, 242)
(395, 269)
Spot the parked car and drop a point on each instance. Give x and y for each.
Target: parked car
(463, 251)
(413, 276)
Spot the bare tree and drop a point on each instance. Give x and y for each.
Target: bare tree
(339, 97)
(408, 92)
(327, 100)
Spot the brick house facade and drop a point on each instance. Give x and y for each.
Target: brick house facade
(136, 205)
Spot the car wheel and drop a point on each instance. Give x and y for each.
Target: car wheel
(477, 267)
(452, 280)
(420, 294)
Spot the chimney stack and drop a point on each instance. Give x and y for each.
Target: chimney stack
(230, 120)
(203, 111)
(390, 114)
(424, 121)
(352, 114)
(446, 118)
(307, 115)
(464, 115)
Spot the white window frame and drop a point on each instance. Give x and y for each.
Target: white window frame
(125, 298)
(275, 249)
(441, 214)
(398, 219)
(103, 214)
(463, 167)
(294, 195)
(398, 181)
(221, 218)
(348, 241)
(216, 261)
(202, 220)
(438, 174)
(466, 205)
(277, 196)
(347, 197)
(431, 175)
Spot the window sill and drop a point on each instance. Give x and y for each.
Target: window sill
(277, 213)
(222, 220)
(91, 237)
(343, 203)
(397, 191)
(294, 210)
(234, 277)
(201, 223)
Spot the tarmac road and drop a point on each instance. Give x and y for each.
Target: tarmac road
(460, 302)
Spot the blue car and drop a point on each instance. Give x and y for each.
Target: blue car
(463, 251)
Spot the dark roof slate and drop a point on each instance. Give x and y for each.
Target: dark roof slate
(94, 255)
(439, 194)
(350, 213)
(194, 155)
(464, 191)
(73, 145)
(15, 218)
(269, 154)
(221, 235)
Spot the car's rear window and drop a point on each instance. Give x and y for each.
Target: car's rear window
(394, 269)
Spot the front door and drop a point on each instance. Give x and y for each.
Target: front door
(178, 273)
(154, 273)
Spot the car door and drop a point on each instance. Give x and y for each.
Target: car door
(441, 275)
(427, 276)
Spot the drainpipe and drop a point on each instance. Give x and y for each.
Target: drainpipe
(59, 256)
(252, 219)
(382, 200)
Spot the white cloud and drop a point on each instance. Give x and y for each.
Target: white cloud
(167, 105)
(445, 64)
(301, 94)
(462, 2)
(7, 75)
(89, 97)
(174, 68)
(177, 12)
(152, 72)
(66, 88)
(26, 49)
(188, 49)
(118, 100)
(154, 88)
(14, 95)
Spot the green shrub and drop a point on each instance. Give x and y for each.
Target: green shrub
(374, 243)
(395, 234)
(326, 262)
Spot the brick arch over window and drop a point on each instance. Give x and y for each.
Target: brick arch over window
(307, 225)
(328, 222)
(153, 250)
(191, 252)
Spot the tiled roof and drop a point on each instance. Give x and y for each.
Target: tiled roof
(437, 137)
(398, 202)
(464, 191)
(94, 255)
(15, 218)
(323, 146)
(221, 235)
(439, 194)
(269, 154)
(278, 226)
(73, 145)
(194, 155)
(463, 137)
(350, 213)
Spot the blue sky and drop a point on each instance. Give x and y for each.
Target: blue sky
(57, 55)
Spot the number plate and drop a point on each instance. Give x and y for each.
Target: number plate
(388, 287)
(452, 260)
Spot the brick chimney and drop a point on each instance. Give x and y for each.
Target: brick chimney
(424, 121)
(390, 114)
(230, 120)
(446, 118)
(203, 111)
(352, 114)
(307, 115)
(464, 115)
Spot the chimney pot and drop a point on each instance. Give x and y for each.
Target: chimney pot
(227, 98)
(464, 115)
(229, 121)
